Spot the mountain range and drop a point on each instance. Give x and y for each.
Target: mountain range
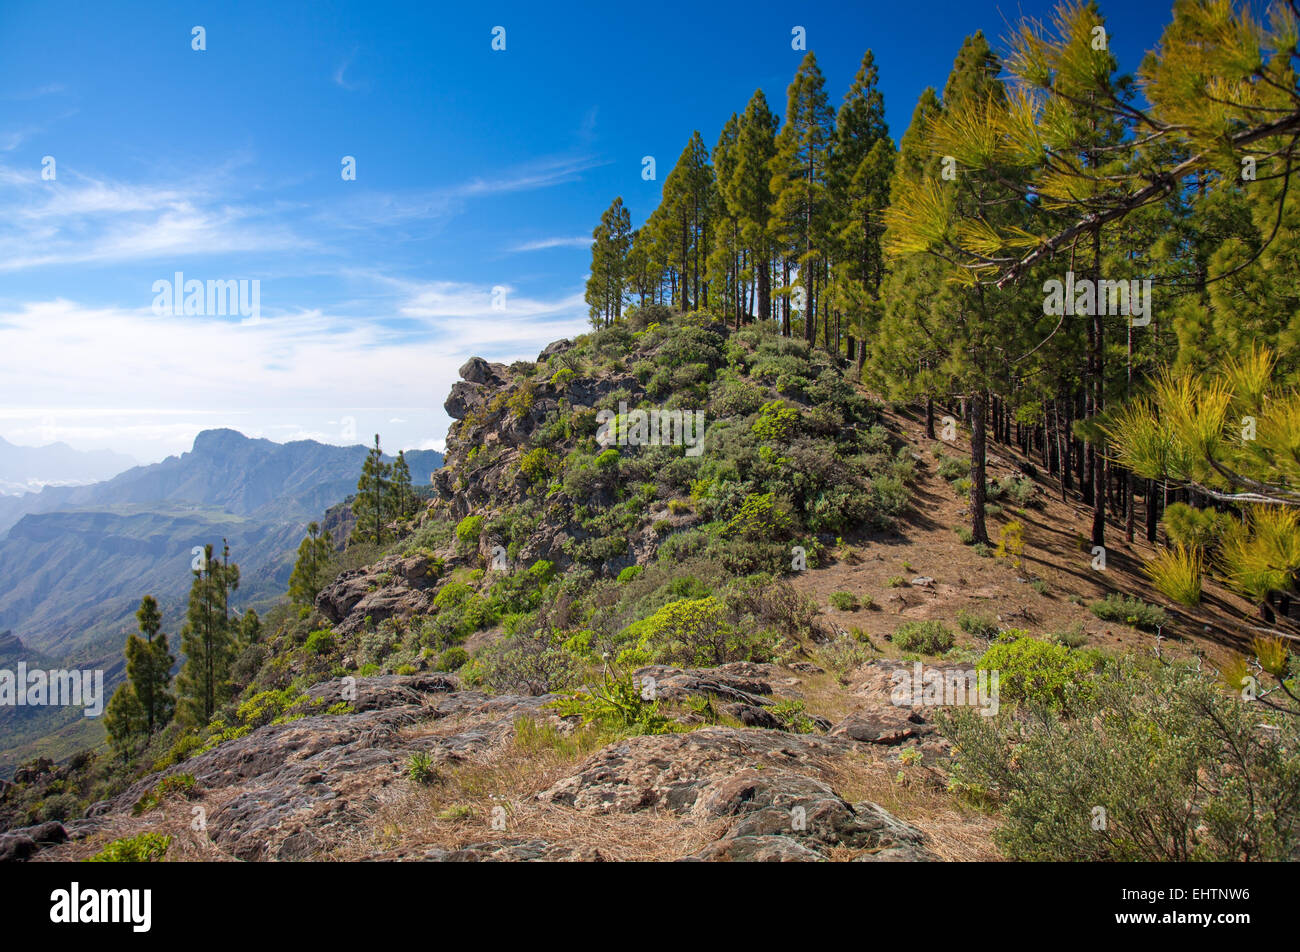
(27, 469)
(75, 560)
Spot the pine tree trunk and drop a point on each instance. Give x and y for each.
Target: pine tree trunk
(1152, 513)
(978, 451)
(929, 418)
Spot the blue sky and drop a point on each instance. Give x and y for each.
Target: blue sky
(475, 169)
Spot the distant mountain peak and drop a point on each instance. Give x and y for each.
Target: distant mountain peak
(217, 440)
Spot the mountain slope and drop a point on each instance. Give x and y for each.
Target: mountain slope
(73, 571)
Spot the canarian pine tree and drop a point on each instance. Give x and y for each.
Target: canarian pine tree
(861, 166)
(372, 505)
(973, 332)
(801, 217)
(750, 197)
(686, 226)
(144, 704)
(207, 639)
(402, 504)
(149, 666)
(725, 264)
(607, 285)
(308, 578)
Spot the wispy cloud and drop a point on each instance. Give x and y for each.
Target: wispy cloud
(58, 357)
(578, 241)
(340, 74)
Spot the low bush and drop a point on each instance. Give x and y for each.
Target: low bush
(1130, 610)
(926, 637)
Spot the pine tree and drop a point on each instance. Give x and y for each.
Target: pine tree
(724, 264)
(371, 506)
(750, 195)
(686, 223)
(148, 667)
(403, 496)
(974, 331)
(607, 285)
(308, 578)
(250, 629)
(124, 720)
(207, 639)
(801, 215)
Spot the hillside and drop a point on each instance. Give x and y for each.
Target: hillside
(588, 651)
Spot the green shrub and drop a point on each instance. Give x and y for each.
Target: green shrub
(695, 632)
(1130, 610)
(1074, 637)
(141, 848)
(979, 625)
(468, 530)
(1161, 765)
(842, 655)
(1037, 672)
(964, 534)
(793, 717)
(845, 601)
(760, 518)
(452, 594)
(561, 378)
(536, 465)
(629, 573)
(1195, 528)
(927, 637)
(182, 784)
(951, 468)
(320, 642)
(776, 422)
(618, 705)
(453, 659)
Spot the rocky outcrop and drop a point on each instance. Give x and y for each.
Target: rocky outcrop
(763, 781)
(395, 587)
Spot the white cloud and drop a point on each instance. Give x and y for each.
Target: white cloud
(302, 375)
(578, 241)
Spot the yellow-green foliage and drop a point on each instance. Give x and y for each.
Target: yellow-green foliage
(562, 377)
(1011, 542)
(690, 631)
(142, 848)
(182, 784)
(1034, 671)
(1265, 557)
(1176, 573)
(759, 518)
(468, 529)
(776, 421)
(521, 401)
(537, 464)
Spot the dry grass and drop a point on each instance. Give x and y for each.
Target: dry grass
(456, 808)
(957, 832)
